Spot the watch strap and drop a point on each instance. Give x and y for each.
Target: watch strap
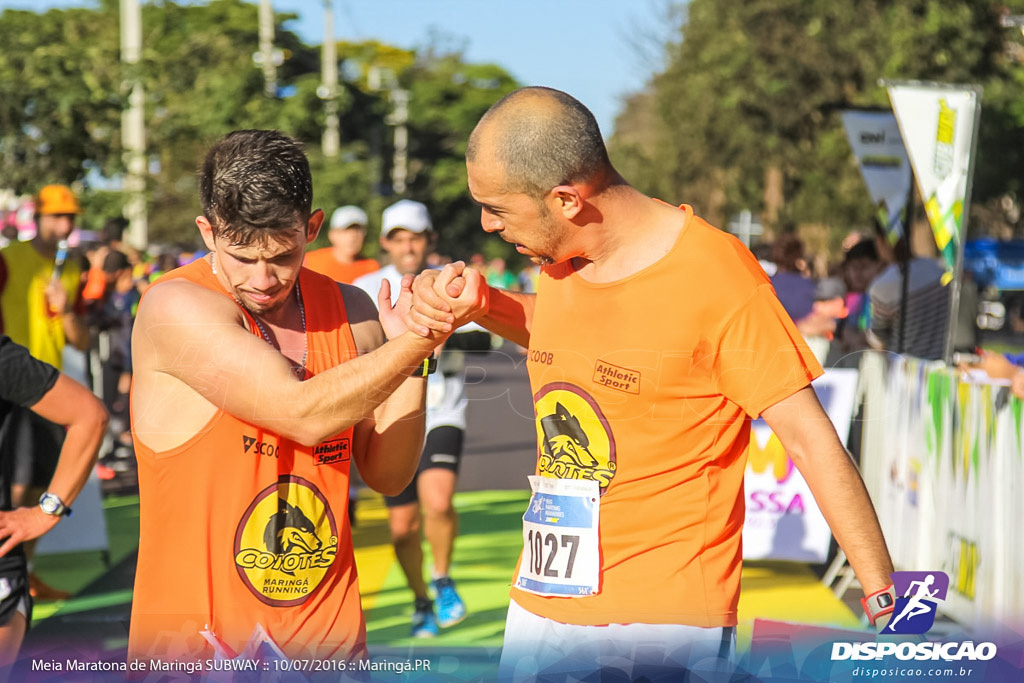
(427, 367)
(879, 604)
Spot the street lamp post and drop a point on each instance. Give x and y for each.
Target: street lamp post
(329, 87)
(133, 127)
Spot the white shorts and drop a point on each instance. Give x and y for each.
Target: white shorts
(541, 649)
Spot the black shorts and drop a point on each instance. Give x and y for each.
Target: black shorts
(442, 450)
(14, 589)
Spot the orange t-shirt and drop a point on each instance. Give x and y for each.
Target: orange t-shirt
(647, 385)
(241, 527)
(323, 261)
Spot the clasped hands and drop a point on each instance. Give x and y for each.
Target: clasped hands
(437, 302)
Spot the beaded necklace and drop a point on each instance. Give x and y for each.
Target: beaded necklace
(299, 370)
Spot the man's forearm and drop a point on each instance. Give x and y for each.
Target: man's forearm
(350, 392)
(394, 445)
(843, 499)
(69, 403)
(510, 315)
(76, 331)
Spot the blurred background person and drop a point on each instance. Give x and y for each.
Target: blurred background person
(425, 507)
(42, 310)
(916, 324)
(341, 261)
(790, 281)
(29, 384)
(859, 267)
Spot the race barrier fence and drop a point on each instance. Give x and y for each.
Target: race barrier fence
(943, 459)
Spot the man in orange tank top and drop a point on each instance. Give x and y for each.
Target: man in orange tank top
(653, 340)
(257, 384)
(341, 261)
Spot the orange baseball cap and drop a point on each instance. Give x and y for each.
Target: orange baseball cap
(56, 199)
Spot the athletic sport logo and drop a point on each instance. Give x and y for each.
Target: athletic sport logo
(917, 599)
(573, 436)
(286, 542)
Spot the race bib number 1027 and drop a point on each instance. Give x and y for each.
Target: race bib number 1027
(560, 542)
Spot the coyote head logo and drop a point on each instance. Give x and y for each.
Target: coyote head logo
(290, 531)
(565, 438)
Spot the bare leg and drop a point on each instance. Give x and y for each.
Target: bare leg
(404, 521)
(441, 523)
(11, 635)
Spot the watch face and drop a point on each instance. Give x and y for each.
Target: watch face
(49, 505)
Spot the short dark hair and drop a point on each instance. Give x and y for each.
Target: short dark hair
(542, 147)
(115, 261)
(113, 229)
(864, 249)
(787, 251)
(255, 182)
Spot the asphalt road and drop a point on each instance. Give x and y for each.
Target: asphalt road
(501, 440)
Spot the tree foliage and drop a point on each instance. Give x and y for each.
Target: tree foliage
(746, 113)
(62, 93)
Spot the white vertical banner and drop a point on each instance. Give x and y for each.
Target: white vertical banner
(783, 521)
(938, 126)
(874, 137)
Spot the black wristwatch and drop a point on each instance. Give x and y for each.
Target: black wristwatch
(53, 505)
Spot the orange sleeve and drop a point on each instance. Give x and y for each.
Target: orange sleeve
(762, 358)
(95, 284)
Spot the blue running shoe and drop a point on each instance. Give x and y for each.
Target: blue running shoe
(450, 608)
(424, 623)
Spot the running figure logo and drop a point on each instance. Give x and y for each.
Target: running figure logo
(918, 596)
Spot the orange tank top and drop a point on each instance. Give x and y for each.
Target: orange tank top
(242, 529)
(646, 385)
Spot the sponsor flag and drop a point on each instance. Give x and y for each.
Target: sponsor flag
(938, 125)
(874, 137)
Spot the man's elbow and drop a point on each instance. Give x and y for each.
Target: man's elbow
(92, 419)
(389, 485)
(310, 434)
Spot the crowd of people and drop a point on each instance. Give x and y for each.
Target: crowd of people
(298, 378)
(877, 296)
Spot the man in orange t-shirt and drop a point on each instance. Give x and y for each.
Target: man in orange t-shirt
(257, 384)
(341, 261)
(653, 340)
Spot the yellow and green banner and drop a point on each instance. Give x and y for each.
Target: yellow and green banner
(938, 124)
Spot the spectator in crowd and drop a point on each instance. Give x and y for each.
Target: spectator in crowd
(499, 276)
(30, 384)
(341, 261)
(790, 281)
(112, 316)
(829, 308)
(762, 251)
(860, 266)
(909, 303)
(42, 310)
(528, 277)
(8, 234)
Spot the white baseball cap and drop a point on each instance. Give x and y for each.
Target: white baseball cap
(348, 216)
(405, 214)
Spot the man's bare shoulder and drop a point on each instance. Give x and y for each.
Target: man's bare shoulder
(180, 300)
(362, 317)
